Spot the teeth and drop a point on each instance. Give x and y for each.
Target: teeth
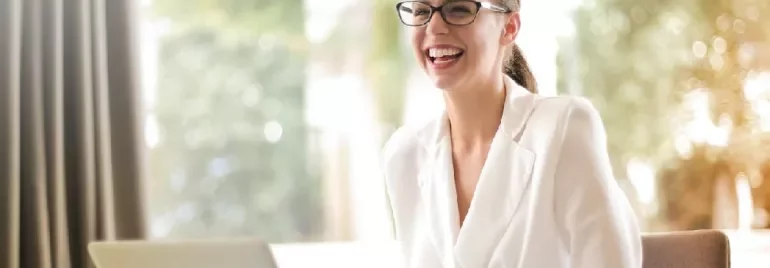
(441, 52)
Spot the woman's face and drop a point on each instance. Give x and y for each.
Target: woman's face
(458, 55)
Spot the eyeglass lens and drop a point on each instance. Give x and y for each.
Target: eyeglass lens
(456, 13)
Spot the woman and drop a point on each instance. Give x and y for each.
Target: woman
(504, 178)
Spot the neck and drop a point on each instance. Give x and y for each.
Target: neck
(474, 114)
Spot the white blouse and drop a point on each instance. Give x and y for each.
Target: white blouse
(546, 196)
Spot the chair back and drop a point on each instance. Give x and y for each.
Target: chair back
(686, 249)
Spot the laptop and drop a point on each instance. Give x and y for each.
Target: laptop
(230, 253)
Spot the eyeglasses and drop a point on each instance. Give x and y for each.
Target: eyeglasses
(457, 13)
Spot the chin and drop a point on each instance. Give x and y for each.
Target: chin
(446, 79)
(445, 82)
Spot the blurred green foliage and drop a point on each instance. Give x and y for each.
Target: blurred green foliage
(386, 64)
(636, 59)
(233, 156)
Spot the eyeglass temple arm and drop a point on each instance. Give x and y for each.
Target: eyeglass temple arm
(494, 7)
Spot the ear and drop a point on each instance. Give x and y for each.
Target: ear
(511, 29)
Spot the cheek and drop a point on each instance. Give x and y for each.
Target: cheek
(480, 48)
(486, 45)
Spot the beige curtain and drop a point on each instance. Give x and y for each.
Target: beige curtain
(70, 139)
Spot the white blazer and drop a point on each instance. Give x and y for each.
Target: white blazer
(546, 196)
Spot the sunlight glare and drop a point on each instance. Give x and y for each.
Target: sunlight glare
(642, 177)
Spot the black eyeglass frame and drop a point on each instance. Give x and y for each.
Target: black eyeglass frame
(439, 9)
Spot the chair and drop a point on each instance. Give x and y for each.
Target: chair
(686, 249)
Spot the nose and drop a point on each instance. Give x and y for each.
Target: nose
(437, 25)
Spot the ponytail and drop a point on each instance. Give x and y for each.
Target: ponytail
(516, 67)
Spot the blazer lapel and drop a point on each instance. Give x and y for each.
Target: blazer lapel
(503, 182)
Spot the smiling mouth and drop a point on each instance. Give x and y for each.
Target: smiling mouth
(443, 55)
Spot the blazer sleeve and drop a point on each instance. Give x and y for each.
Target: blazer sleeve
(596, 220)
(389, 149)
(391, 224)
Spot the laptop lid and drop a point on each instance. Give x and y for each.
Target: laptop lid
(231, 253)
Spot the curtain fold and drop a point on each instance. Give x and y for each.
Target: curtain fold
(71, 165)
(10, 49)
